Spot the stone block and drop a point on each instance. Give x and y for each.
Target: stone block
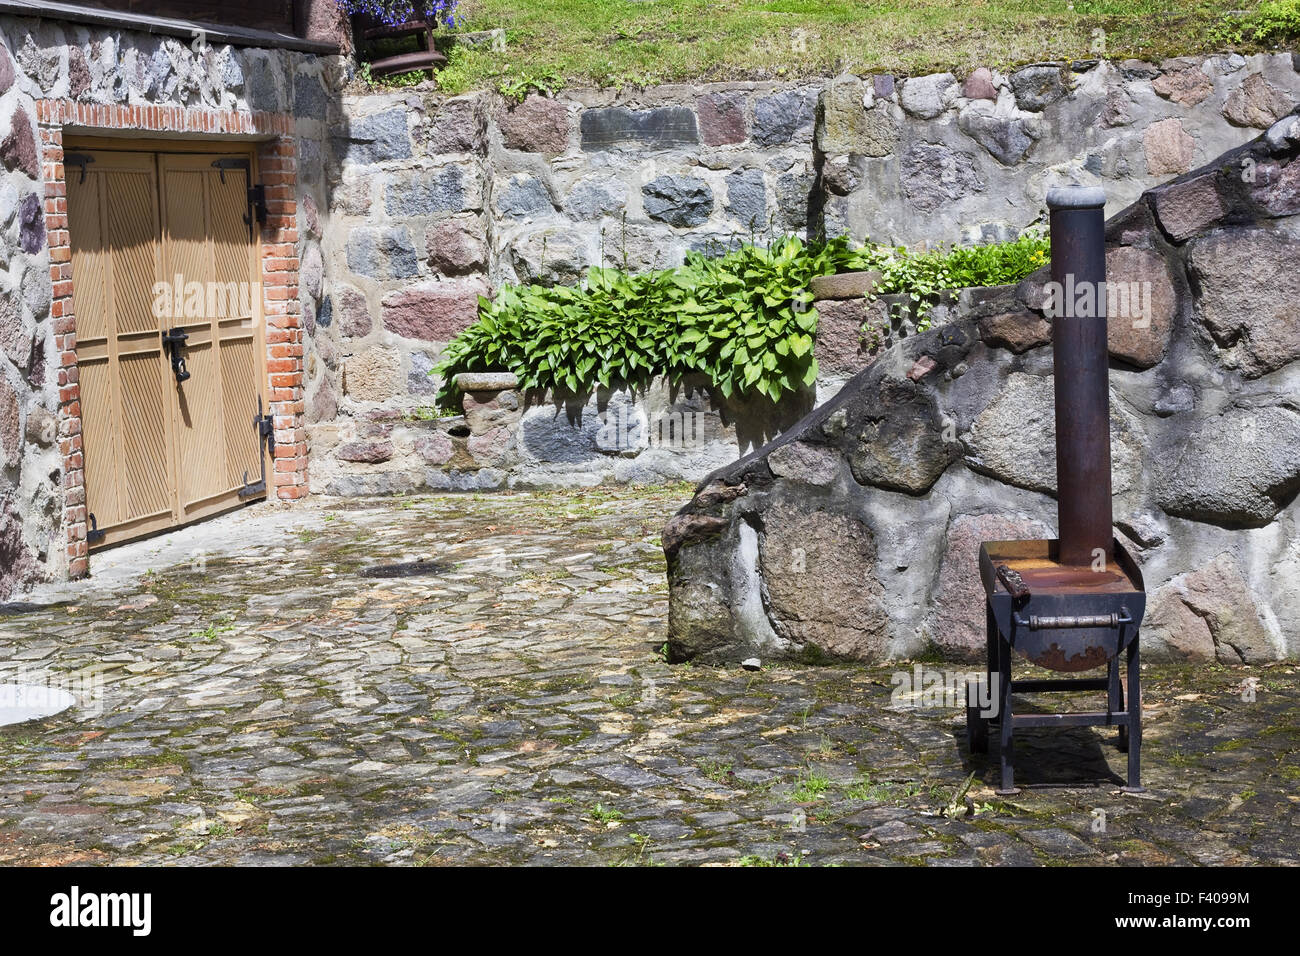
(1038, 87)
(678, 200)
(664, 127)
(1187, 207)
(523, 196)
(456, 246)
(433, 311)
(1257, 103)
(1249, 302)
(1142, 305)
(423, 192)
(374, 375)
(721, 118)
(934, 176)
(1169, 148)
(923, 96)
(747, 198)
(784, 117)
(382, 252)
(537, 125)
(377, 138)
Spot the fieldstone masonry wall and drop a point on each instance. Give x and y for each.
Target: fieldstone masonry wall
(946, 440)
(435, 201)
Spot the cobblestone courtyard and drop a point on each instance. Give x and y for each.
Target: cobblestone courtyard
(251, 696)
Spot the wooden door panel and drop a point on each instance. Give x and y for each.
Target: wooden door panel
(236, 330)
(206, 234)
(95, 371)
(113, 227)
(144, 436)
(239, 370)
(132, 234)
(98, 440)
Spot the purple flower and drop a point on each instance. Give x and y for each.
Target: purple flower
(395, 12)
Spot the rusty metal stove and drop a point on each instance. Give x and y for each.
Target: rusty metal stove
(1073, 603)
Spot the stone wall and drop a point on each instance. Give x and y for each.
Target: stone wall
(435, 201)
(507, 438)
(946, 440)
(60, 78)
(943, 159)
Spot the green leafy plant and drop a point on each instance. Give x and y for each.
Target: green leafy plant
(810, 786)
(409, 78)
(922, 276)
(744, 320)
(780, 859)
(1272, 22)
(516, 88)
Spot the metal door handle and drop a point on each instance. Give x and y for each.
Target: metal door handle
(174, 342)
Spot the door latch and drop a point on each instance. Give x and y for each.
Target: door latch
(174, 343)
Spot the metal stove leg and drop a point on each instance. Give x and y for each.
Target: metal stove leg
(977, 725)
(1115, 701)
(1005, 750)
(990, 641)
(1134, 675)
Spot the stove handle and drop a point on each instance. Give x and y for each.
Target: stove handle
(1066, 622)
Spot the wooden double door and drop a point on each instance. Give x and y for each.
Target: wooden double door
(170, 339)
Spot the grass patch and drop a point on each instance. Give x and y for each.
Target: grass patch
(883, 792)
(603, 814)
(781, 859)
(615, 43)
(810, 787)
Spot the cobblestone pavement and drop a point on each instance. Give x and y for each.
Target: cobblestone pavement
(249, 695)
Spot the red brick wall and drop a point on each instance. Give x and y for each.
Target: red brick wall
(277, 168)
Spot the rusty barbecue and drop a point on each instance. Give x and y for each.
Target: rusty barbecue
(1073, 603)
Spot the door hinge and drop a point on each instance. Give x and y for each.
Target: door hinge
(257, 201)
(94, 535)
(230, 162)
(265, 425)
(80, 160)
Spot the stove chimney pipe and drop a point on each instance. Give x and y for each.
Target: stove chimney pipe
(1077, 304)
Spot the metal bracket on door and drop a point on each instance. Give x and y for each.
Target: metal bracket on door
(174, 343)
(80, 160)
(94, 535)
(257, 200)
(265, 425)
